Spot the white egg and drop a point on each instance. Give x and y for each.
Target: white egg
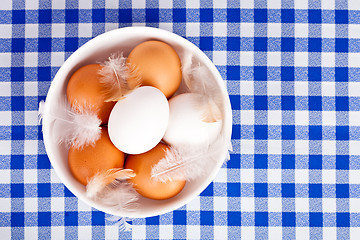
(138, 122)
(186, 125)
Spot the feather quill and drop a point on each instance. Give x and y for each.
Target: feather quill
(114, 74)
(112, 189)
(198, 80)
(77, 128)
(187, 162)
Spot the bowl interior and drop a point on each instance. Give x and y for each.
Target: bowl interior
(97, 50)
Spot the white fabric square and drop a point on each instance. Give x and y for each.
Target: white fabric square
(6, 5)
(219, 29)
(247, 117)
(139, 4)
(301, 30)
(192, 3)
(219, 4)
(54, 177)
(354, 231)
(354, 118)
(354, 59)
(274, 88)
(302, 176)
(246, 29)
(302, 233)
(354, 5)
(5, 176)
(111, 4)
(193, 232)
(193, 205)
(165, 231)
(329, 233)
(246, 4)
(274, 204)
(354, 177)
(328, 59)
(30, 176)
(32, 4)
(57, 58)
(329, 205)
(354, 205)
(303, 4)
(274, 117)
(328, 147)
(354, 89)
(247, 233)
(5, 91)
(274, 175)
(30, 204)
(301, 59)
(354, 30)
(111, 26)
(6, 30)
(328, 30)
(328, 176)
(5, 117)
(247, 146)
(5, 147)
(165, 4)
(111, 232)
(31, 59)
(31, 232)
(274, 4)
(328, 89)
(354, 147)
(84, 232)
(328, 4)
(58, 30)
(220, 204)
(192, 29)
(58, 233)
(57, 204)
(85, 30)
(301, 88)
(247, 58)
(221, 176)
(274, 30)
(30, 88)
(301, 205)
(83, 206)
(247, 175)
(247, 204)
(31, 30)
(220, 232)
(85, 4)
(328, 118)
(31, 147)
(219, 58)
(166, 26)
(58, 4)
(274, 147)
(275, 233)
(247, 88)
(274, 59)
(301, 147)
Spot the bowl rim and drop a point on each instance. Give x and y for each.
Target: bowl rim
(58, 81)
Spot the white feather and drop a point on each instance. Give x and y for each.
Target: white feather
(76, 128)
(188, 162)
(198, 79)
(112, 189)
(115, 72)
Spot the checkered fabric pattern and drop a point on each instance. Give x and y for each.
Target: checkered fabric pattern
(292, 68)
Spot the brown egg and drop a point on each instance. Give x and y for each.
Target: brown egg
(84, 88)
(158, 66)
(84, 163)
(144, 184)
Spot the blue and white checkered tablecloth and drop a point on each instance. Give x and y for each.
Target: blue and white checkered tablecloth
(292, 68)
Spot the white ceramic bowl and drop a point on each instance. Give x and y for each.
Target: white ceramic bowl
(99, 49)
